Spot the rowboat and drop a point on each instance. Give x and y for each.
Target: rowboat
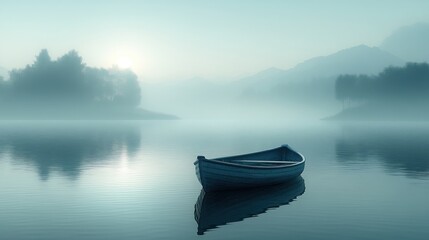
(214, 209)
(257, 169)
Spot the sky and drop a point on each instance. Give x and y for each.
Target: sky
(171, 40)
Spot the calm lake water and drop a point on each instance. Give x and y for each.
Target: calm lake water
(136, 180)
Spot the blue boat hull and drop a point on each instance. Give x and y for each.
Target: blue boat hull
(225, 173)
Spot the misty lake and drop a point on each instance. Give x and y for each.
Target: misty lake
(136, 180)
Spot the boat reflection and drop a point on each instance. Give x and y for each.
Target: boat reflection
(214, 209)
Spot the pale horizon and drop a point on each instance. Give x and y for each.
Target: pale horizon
(220, 41)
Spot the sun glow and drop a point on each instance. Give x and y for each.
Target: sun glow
(126, 56)
(124, 62)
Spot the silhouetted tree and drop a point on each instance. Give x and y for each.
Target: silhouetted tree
(127, 89)
(406, 84)
(68, 82)
(345, 87)
(2, 87)
(43, 59)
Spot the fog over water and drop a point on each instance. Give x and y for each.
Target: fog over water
(104, 108)
(128, 179)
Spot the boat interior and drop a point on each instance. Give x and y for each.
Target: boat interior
(260, 162)
(276, 157)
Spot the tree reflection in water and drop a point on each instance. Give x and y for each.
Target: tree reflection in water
(65, 147)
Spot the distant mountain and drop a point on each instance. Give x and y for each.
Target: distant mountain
(309, 87)
(356, 60)
(410, 43)
(267, 75)
(315, 78)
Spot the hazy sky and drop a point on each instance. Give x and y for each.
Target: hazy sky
(222, 39)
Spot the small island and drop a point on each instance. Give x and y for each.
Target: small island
(397, 93)
(68, 89)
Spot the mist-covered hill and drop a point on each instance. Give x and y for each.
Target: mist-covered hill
(305, 90)
(409, 43)
(190, 98)
(396, 93)
(355, 60)
(309, 86)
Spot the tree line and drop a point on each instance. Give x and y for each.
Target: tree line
(405, 84)
(67, 81)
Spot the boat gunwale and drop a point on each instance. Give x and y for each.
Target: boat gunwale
(288, 165)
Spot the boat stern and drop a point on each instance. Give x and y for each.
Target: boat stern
(197, 167)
